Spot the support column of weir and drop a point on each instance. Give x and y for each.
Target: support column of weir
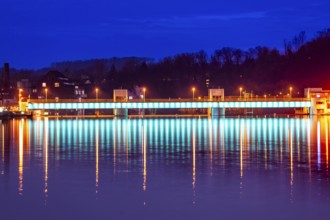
(313, 108)
(120, 95)
(120, 112)
(216, 112)
(216, 95)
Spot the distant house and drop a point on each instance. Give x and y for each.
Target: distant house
(55, 85)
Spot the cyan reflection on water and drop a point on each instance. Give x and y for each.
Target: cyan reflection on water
(165, 168)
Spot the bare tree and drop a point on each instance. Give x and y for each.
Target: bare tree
(299, 40)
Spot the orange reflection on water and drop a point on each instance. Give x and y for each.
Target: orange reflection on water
(96, 158)
(211, 145)
(241, 158)
(46, 155)
(318, 145)
(126, 131)
(194, 161)
(193, 158)
(265, 144)
(241, 150)
(309, 148)
(20, 157)
(291, 162)
(3, 142)
(144, 152)
(291, 156)
(327, 145)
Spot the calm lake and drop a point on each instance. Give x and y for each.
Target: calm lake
(227, 168)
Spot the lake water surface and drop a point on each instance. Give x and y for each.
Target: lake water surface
(228, 168)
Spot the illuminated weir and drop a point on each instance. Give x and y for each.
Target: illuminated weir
(213, 106)
(215, 103)
(168, 105)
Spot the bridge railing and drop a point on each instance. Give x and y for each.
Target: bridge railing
(227, 99)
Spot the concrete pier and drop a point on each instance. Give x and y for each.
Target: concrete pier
(216, 112)
(216, 95)
(120, 113)
(120, 95)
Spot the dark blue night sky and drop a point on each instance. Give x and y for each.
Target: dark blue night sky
(35, 33)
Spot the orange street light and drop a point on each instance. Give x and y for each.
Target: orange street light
(20, 99)
(290, 91)
(19, 94)
(240, 92)
(193, 90)
(46, 93)
(96, 93)
(144, 94)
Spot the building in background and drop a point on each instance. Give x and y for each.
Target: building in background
(55, 85)
(5, 85)
(5, 81)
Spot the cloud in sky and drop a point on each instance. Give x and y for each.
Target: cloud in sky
(205, 18)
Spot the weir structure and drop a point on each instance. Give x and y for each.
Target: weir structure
(215, 107)
(316, 102)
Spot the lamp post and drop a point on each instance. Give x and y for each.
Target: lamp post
(46, 93)
(290, 91)
(193, 91)
(144, 94)
(19, 98)
(240, 92)
(19, 94)
(96, 94)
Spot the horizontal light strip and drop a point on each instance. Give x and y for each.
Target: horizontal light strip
(168, 105)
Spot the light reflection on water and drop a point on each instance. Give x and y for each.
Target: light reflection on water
(195, 167)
